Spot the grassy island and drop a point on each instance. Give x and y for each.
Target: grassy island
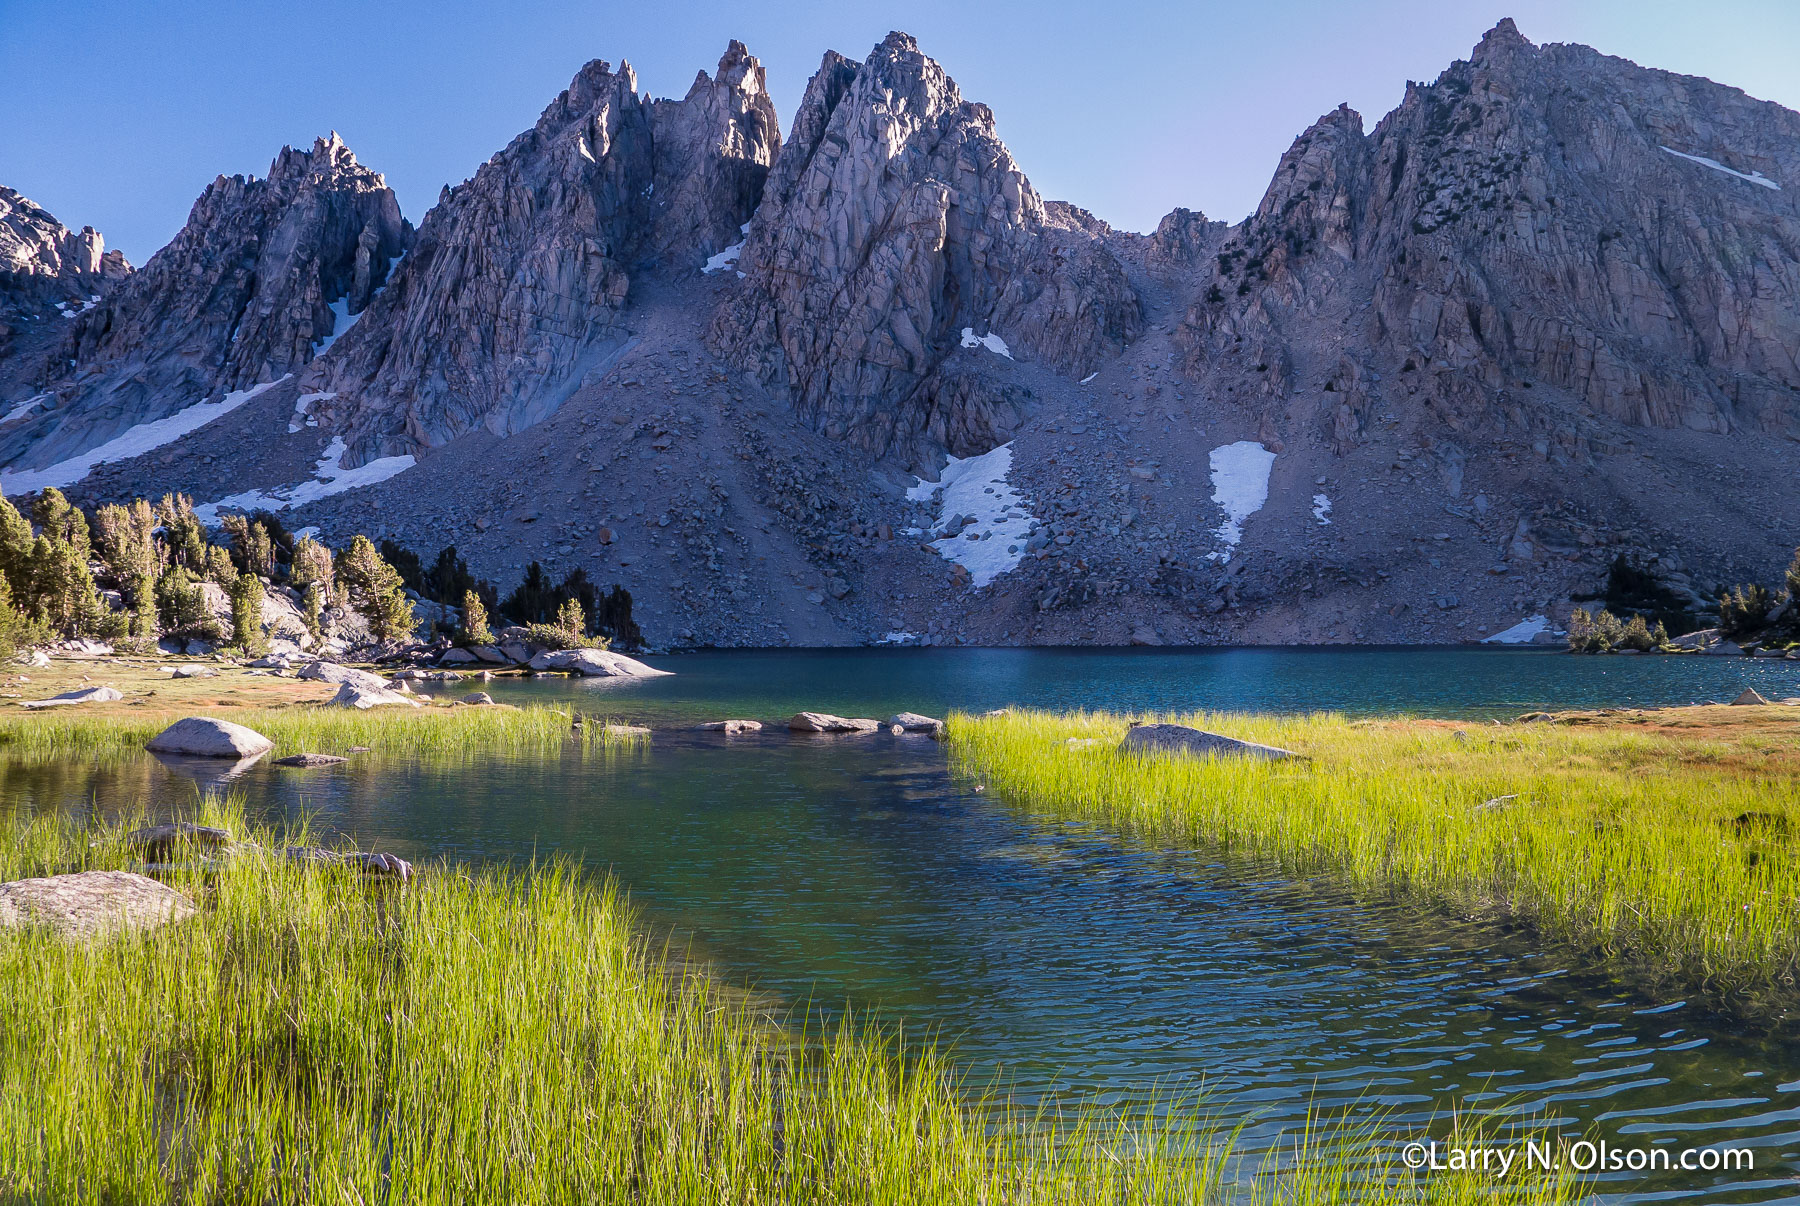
(1664, 839)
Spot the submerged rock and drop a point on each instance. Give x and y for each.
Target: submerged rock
(88, 904)
(731, 727)
(156, 841)
(310, 760)
(383, 866)
(1180, 739)
(824, 722)
(205, 737)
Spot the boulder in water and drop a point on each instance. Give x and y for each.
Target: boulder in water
(205, 737)
(824, 722)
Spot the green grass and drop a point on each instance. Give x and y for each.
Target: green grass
(508, 1037)
(297, 728)
(1668, 849)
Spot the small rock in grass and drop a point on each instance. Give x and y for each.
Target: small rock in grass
(349, 695)
(205, 737)
(85, 695)
(478, 699)
(1749, 699)
(1180, 739)
(88, 904)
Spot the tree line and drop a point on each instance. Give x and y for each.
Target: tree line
(133, 574)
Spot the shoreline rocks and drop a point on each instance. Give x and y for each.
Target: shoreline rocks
(350, 695)
(824, 722)
(594, 663)
(69, 698)
(730, 728)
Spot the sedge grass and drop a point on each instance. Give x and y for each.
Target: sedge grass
(1669, 851)
(426, 731)
(508, 1037)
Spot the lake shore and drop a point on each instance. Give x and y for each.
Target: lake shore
(1656, 838)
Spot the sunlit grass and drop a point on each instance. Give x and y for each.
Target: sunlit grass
(1671, 850)
(436, 730)
(508, 1037)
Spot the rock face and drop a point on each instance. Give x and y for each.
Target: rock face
(90, 904)
(894, 219)
(48, 275)
(1542, 235)
(262, 274)
(1180, 739)
(514, 291)
(205, 737)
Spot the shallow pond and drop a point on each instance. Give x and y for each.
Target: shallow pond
(858, 871)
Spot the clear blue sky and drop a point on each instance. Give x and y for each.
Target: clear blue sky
(118, 112)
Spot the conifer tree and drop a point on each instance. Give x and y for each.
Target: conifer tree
(246, 614)
(475, 630)
(312, 566)
(375, 590)
(15, 551)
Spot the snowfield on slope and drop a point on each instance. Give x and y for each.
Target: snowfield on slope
(1240, 477)
(976, 486)
(1752, 177)
(329, 478)
(990, 341)
(1521, 633)
(145, 437)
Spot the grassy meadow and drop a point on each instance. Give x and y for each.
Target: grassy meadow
(1662, 839)
(509, 1037)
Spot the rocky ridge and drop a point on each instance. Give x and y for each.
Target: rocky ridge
(263, 274)
(1540, 319)
(514, 292)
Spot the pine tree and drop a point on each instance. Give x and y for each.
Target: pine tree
(184, 536)
(312, 566)
(142, 599)
(16, 628)
(312, 602)
(246, 614)
(125, 541)
(181, 608)
(570, 619)
(374, 589)
(15, 551)
(252, 548)
(475, 630)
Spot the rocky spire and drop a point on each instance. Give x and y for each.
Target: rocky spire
(1543, 218)
(243, 294)
(47, 270)
(895, 218)
(520, 274)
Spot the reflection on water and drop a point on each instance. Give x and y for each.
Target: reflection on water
(856, 871)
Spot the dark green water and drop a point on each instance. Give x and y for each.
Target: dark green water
(857, 871)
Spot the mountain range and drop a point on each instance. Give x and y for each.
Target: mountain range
(861, 383)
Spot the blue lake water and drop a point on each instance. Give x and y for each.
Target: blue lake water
(860, 872)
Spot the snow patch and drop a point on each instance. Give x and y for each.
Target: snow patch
(1322, 510)
(329, 478)
(898, 637)
(67, 311)
(341, 322)
(1520, 633)
(1240, 477)
(976, 486)
(1090, 376)
(303, 410)
(724, 259)
(1715, 165)
(990, 341)
(585, 153)
(22, 409)
(145, 437)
